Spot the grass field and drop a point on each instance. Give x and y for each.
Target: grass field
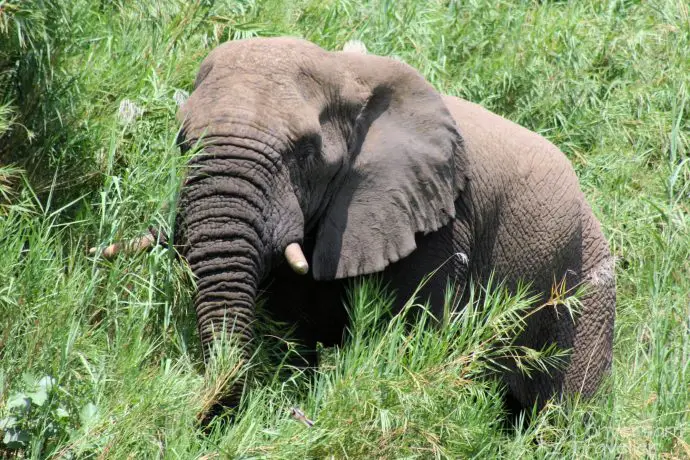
(105, 355)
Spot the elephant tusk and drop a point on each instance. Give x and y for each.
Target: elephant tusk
(130, 247)
(296, 259)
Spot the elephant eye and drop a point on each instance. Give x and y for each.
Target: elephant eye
(308, 148)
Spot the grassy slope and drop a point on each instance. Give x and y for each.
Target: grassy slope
(606, 81)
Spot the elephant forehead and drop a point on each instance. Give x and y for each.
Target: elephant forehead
(264, 51)
(281, 64)
(224, 105)
(280, 85)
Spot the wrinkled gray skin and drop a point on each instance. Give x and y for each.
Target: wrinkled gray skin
(357, 158)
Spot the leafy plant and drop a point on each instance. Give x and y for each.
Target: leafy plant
(33, 413)
(37, 416)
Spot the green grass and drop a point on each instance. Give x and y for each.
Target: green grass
(607, 81)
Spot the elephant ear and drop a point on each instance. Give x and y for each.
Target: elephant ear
(406, 170)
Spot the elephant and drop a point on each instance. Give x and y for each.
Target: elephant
(316, 167)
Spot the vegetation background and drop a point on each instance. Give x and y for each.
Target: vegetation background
(100, 359)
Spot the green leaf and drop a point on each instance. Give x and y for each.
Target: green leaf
(38, 397)
(60, 412)
(88, 414)
(46, 383)
(29, 379)
(19, 401)
(15, 438)
(7, 423)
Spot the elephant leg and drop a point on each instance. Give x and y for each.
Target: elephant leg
(588, 336)
(542, 329)
(593, 341)
(593, 335)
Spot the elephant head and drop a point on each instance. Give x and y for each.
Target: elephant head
(357, 151)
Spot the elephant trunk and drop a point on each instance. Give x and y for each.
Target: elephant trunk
(224, 204)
